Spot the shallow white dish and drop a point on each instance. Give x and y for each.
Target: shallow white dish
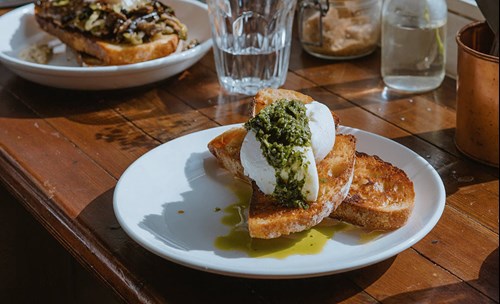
(20, 30)
(183, 175)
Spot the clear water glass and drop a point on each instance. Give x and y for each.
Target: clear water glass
(251, 42)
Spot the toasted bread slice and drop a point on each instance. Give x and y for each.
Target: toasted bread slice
(112, 54)
(267, 219)
(266, 96)
(226, 148)
(270, 220)
(381, 195)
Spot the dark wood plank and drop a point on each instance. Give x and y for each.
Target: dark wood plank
(162, 116)
(59, 185)
(423, 115)
(50, 161)
(479, 200)
(29, 259)
(410, 278)
(32, 260)
(329, 289)
(466, 249)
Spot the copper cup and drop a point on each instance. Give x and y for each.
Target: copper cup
(476, 132)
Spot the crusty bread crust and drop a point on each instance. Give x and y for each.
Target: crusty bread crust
(381, 195)
(112, 54)
(226, 149)
(267, 96)
(267, 219)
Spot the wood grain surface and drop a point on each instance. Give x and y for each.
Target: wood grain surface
(62, 152)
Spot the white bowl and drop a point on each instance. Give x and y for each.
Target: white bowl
(20, 30)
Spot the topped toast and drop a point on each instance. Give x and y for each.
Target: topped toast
(354, 187)
(105, 32)
(267, 218)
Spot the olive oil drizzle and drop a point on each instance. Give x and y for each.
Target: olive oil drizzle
(307, 242)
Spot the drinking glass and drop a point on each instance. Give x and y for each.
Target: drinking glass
(251, 42)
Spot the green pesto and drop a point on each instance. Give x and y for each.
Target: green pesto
(279, 128)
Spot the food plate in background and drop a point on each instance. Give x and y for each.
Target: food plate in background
(20, 30)
(12, 3)
(166, 199)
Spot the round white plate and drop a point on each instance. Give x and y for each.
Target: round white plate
(183, 175)
(20, 30)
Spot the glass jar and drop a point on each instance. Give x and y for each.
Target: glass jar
(339, 29)
(413, 44)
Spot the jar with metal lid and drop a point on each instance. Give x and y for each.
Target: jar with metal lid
(339, 29)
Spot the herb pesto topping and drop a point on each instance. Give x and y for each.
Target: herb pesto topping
(281, 128)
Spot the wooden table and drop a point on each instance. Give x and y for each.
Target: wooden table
(62, 152)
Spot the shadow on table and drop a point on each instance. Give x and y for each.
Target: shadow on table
(459, 292)
(82, 106)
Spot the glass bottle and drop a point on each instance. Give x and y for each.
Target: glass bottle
(413, 44)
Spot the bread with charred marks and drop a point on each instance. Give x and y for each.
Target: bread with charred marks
(267, 218)
(381, 196)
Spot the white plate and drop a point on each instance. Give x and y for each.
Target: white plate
(20, 30)
(183, 175)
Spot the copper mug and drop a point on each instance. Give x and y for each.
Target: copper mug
(476, 132)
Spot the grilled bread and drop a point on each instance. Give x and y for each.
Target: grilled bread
(381, 196)
(267, 219)
(266, 96)
(95, 52)
(226, 148)
(105, 32)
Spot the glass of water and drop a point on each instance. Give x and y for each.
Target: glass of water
(251, 42)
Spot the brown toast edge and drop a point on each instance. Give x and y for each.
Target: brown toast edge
(267, 219)
(112, 54)
(367, 205)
